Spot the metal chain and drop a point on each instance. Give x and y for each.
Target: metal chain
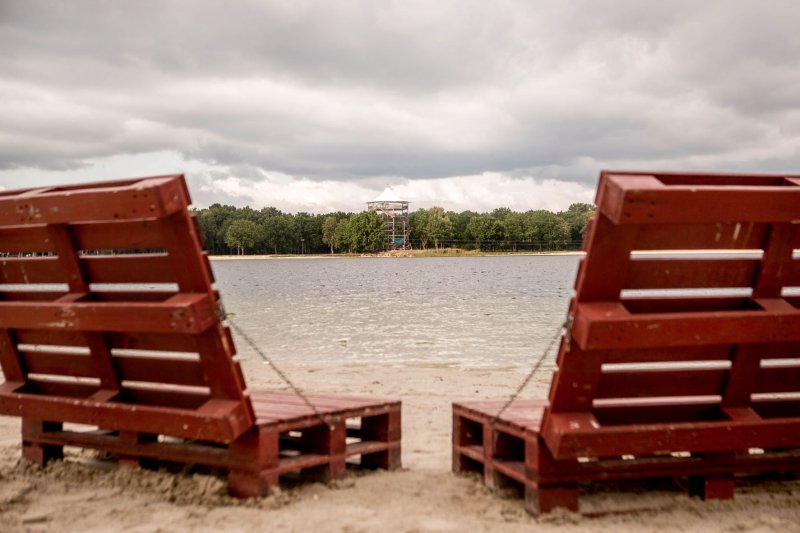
(566, 326)
(277, 370)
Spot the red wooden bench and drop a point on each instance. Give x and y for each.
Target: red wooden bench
(683, 355)
(111, 338)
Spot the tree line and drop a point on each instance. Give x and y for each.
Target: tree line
(231, 230)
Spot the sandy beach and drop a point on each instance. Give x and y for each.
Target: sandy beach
(86, 494)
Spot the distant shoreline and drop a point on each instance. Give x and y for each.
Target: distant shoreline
(384, 255)
(474, 253)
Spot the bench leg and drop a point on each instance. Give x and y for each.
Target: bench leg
(717, 487)
(331, 441)
(543, 496)
(244, 484)
(544, 499)
(462, 463)
(460, 438)
(387, 460)
(256, 455)
(383, 428)
(35, 452)
(131, 439)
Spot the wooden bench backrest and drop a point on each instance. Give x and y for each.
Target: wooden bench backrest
(687, 311)
(108, 316)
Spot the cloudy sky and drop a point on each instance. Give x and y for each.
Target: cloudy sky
(317, 106)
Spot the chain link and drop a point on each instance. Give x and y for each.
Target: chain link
(566, 326)
(277, 370)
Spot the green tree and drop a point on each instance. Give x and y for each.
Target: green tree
(213, 223)
(309, 230)
(484, 229)
(329, 225)
(577, 217)
(267, 212)
(365, 232)
(545, 226)
(460, 223)
(279, 233)
(248, 213)
(241, 234)
(418, 220)
(439, 227)
(514, 228)
(501, 213)
(341, 235)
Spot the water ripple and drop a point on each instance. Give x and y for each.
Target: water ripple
(465, 312)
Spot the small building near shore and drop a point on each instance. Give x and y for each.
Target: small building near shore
(394, 213)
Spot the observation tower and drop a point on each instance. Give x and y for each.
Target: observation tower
(394, 213)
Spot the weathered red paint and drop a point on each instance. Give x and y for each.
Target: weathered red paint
(59, 346)
(705, 393)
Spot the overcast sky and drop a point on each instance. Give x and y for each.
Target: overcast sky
(317, 106)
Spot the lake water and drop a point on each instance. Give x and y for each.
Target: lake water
(465, 312)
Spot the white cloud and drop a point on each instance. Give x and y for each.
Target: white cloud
(481, 193)
(467, 103)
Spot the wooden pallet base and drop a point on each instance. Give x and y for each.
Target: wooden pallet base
(288, 438)
(511, 450)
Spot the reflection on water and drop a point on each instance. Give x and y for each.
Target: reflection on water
(470, 312)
